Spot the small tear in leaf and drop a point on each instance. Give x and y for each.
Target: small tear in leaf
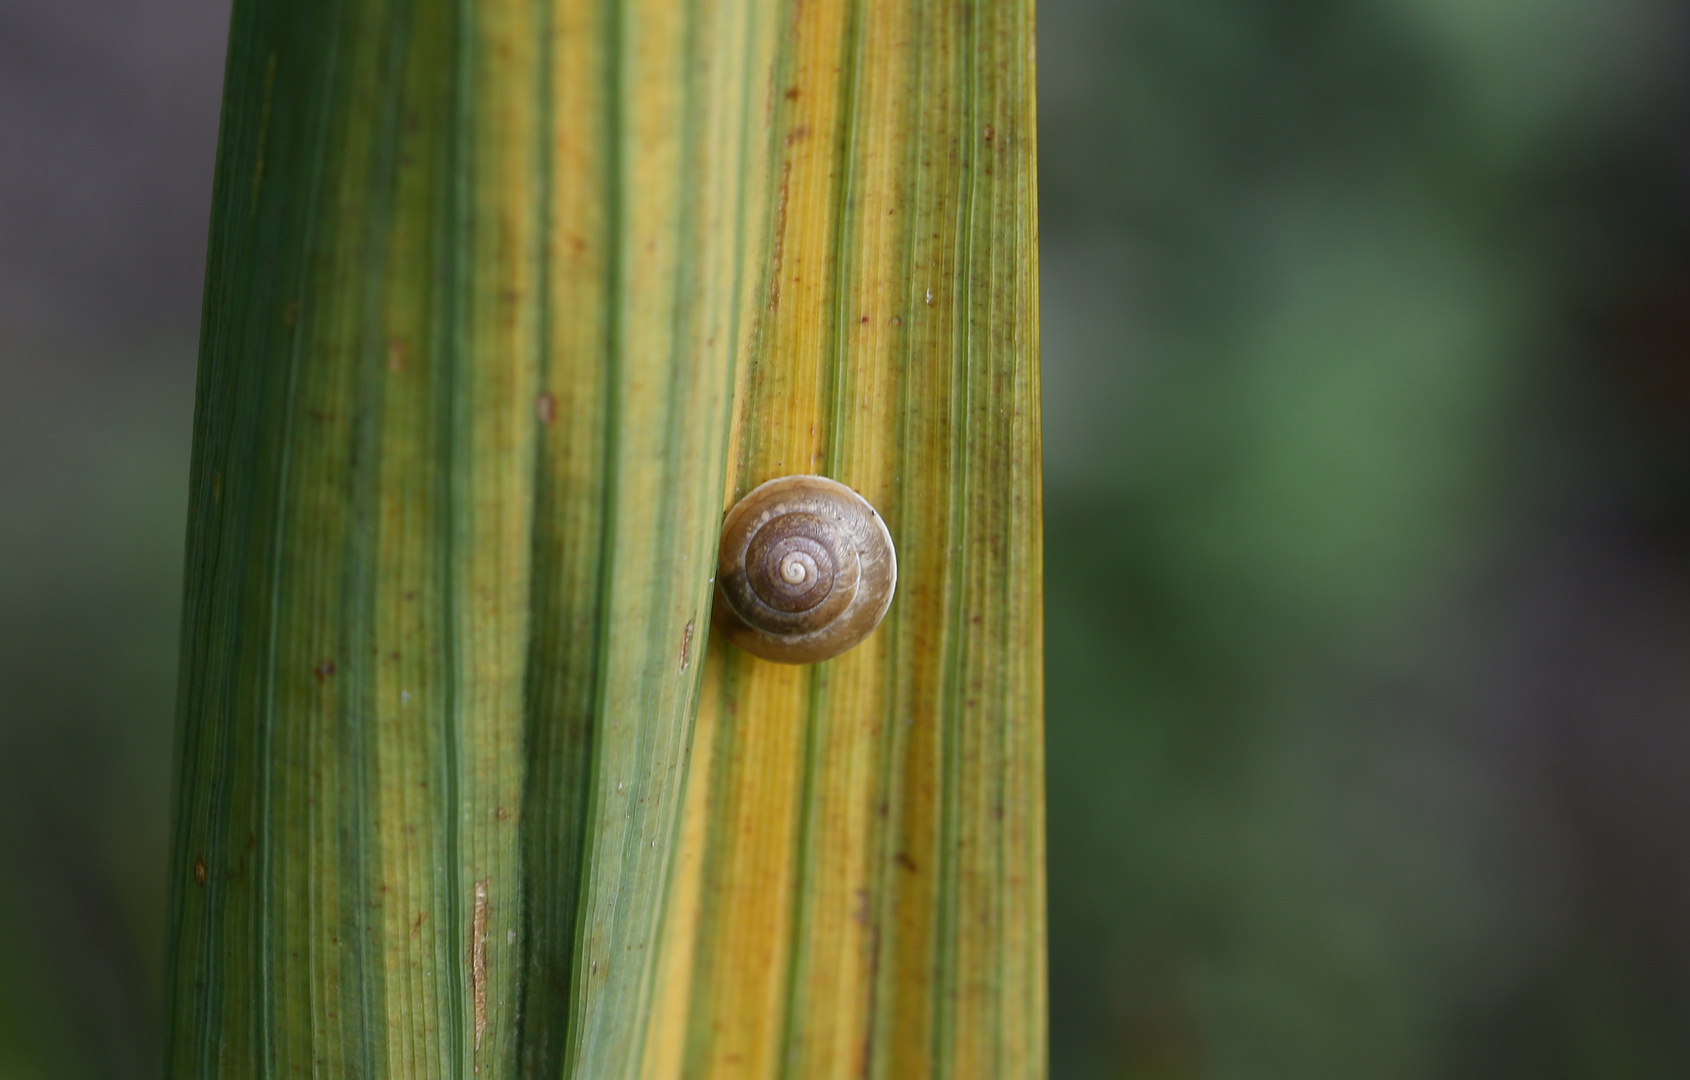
(478, 959)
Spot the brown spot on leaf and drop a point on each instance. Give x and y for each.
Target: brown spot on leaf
(860, 910)
(323, 670)
(780, 237)
(199, 870)
(545, 407)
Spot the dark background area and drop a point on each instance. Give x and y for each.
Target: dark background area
(1367, 356)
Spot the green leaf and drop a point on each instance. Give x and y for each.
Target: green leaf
(504, 301)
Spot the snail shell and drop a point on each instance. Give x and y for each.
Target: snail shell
(805, 570)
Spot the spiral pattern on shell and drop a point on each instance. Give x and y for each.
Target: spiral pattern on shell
(805, 570)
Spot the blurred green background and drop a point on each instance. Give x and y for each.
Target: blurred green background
(1367, 357)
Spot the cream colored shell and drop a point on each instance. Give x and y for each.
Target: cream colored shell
(805, 570)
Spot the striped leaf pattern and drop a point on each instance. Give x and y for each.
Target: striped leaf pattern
(506, 302)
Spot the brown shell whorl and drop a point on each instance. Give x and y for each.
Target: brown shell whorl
(805, 570)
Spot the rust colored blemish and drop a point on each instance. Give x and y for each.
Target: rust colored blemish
(903, 859)
(323, 670)
(865, 320)
(897, 320)
(686, 646)
(416, 927)
(792, 93)
(991, 133)
(501, 813)
(780, 237)
(478, 959)
(545, 407)
(199, 870)
(216, 486)
(797, 134)
(396, 354)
